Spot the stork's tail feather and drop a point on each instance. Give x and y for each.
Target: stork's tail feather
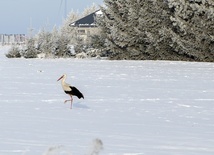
(80, 95)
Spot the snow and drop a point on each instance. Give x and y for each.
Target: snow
(133, 107)
(99, 12)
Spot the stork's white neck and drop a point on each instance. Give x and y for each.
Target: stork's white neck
(65, 86)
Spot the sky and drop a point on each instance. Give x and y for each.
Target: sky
(21, 16)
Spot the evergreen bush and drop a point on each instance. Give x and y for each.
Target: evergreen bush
(14, 52)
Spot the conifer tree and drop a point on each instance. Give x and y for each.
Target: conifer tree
(89, 10)
(193, 28)
(31, 51)
(159, 29)
(62, 49)
(44, 42)
(68, 30)
(132, 27)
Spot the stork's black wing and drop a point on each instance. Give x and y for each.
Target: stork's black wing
(76, 92)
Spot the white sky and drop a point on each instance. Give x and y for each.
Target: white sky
(17, 16)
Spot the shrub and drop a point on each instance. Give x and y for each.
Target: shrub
(14, 52)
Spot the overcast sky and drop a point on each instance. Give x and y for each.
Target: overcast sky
(18, 16)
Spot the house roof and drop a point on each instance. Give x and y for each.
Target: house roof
(87, 21)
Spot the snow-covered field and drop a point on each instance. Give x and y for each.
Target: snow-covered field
(133, 107)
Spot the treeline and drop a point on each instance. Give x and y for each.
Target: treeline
(136, 30)
(60, 42)
(51, 44)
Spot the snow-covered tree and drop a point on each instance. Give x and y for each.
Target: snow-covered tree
(193, 28)
(55, 39)
(44, 42)
(14, 52)
(62, 46)
(30, 51)
(132, 27)
(67, 30)
(159, 29)
(89, 10)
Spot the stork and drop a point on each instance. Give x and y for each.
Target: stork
(70, 90)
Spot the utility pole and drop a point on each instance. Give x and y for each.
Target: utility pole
(65, 13)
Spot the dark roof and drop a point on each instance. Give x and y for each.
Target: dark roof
(87, 21)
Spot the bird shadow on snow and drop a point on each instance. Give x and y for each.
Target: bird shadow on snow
(80, 106)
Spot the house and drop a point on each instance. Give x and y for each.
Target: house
(86, 26)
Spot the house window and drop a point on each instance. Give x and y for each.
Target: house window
(81, 31)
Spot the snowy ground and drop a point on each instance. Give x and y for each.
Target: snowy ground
(134, 107)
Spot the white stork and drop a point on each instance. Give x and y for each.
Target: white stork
(70, 90)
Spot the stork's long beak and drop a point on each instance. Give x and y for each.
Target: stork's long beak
(60, 78)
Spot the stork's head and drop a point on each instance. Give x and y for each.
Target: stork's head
(63, 76)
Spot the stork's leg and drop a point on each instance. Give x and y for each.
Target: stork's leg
(66, 101)
(71, 101)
